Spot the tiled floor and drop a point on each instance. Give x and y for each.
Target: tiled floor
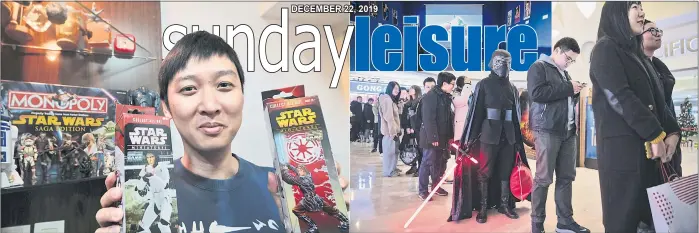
(382, 204)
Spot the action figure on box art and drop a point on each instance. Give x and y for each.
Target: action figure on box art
(46, 147)
(310, 202)
(72, 158)
(153, 186)
(28, 154)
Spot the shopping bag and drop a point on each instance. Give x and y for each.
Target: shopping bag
(521, 180)
(409, 153)
(674, 204)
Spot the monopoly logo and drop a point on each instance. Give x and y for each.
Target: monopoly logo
(389, 49)
(57, 102)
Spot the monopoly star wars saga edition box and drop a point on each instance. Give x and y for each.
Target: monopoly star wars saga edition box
(149, 200)
(65, 132)
(304, 162)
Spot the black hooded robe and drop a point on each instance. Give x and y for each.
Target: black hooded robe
(466, 196)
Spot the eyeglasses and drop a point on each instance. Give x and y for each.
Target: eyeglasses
(654, 31)
(569, 59)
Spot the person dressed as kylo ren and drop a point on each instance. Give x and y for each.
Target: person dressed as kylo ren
(492, 136)
(310, 202)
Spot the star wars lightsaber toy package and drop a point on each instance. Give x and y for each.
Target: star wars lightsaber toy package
(65, 132)
(305, 166)
(149, 199)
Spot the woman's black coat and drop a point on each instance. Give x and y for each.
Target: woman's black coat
(629, 109)
(668, 81)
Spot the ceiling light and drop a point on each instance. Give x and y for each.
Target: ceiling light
(587, 8)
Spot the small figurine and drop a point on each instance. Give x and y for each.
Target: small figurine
(45, 148)
(28, 153)
(57, 12)
(144, 97)
(72, 30)
(69, 153)
(101, 31)
(125, 44)
(153, 187)
(310, 202)
(16, 29)
(36, 18)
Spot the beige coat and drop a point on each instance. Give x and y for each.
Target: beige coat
(390, 116)
(460, 112)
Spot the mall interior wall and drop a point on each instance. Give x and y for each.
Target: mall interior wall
(253, 143)
(581, 20)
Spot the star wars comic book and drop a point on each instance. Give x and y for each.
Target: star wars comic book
(149, 200)
(311, 192)
(65, 132)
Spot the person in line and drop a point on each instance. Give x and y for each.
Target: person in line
(201, 88)
(415, 96)
(428, 83)
(404, 120)
(553, 92)
(461, 95)
(652, 40)
(633, 126)
(437, 129)
(377, 127)
(389, 115)
(357, 119)
(368, 120)
(492, 136)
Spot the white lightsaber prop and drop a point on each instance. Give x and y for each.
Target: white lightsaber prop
(434, 190)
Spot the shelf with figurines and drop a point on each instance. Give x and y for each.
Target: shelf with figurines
(66, 27)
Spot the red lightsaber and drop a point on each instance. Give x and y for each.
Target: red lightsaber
(434, 190)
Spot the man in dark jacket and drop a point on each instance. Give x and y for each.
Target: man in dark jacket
(368, 121)
(437, 129)
(356, 119)
(552, 117)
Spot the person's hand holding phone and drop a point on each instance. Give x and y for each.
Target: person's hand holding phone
(577, 87)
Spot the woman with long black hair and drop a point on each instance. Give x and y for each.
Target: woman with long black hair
(632, 124)
(389, 116)
(409, 110)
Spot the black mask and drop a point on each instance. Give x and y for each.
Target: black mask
(501, 65)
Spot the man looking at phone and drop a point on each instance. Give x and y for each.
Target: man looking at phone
(552, 117)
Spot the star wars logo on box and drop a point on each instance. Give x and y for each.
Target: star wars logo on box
(305, 163)
(149, 198)
(64, 132)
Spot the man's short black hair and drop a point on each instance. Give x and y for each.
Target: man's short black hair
(359, 97)
(200, 45)
(445, 77)
(370, 100)
(428, 80)
(567, 44)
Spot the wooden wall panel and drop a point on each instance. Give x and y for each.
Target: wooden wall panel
(141, 19)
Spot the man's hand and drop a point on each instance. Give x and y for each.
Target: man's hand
(671, 145)
(658, 150)
(577, 87)
(109, 217)
(435, 144)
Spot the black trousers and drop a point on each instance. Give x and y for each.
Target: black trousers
(355, 130)
(498, 158)
(377, 137)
